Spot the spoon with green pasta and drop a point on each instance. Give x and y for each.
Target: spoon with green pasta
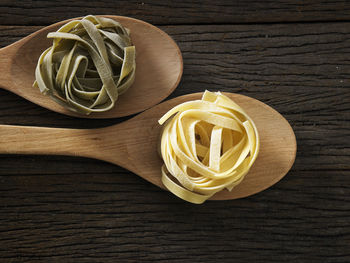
(93, 67)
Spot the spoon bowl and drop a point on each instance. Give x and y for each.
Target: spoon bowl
(159, 69)
(133, 144)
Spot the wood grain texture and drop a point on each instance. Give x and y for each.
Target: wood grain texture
(67, 209)
(86, 216)
(28, 12)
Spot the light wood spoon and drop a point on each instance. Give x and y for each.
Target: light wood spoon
(159, 68)
(133, 144)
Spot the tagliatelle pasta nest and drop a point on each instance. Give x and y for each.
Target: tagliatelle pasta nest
(207, 145)
(91, 62)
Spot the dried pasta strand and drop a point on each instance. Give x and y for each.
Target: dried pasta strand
(207, 145)
(90, 63)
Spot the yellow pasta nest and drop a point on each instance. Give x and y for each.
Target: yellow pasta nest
(91, 62)
(207, 145)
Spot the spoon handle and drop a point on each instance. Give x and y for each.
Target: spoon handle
(92, 143)
(6, 55)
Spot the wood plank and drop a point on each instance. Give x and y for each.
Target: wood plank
(78, 210)
(109, 215)
(19, 12)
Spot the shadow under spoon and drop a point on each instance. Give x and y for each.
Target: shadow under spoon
(133, 144)
(159, 69)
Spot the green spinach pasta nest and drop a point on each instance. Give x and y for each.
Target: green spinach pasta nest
(91, 62)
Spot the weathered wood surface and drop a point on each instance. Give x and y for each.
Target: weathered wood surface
(65, 209)
(160, 12)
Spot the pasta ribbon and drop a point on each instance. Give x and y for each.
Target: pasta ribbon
(207, 145)
(90, 63)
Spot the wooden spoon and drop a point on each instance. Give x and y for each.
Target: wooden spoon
(158, 68)
(133, 144)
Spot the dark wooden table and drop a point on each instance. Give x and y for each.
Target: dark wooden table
(292, 55)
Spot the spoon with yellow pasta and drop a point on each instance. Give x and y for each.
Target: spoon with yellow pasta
(207, 145)
(93, 67)
(212, 145)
